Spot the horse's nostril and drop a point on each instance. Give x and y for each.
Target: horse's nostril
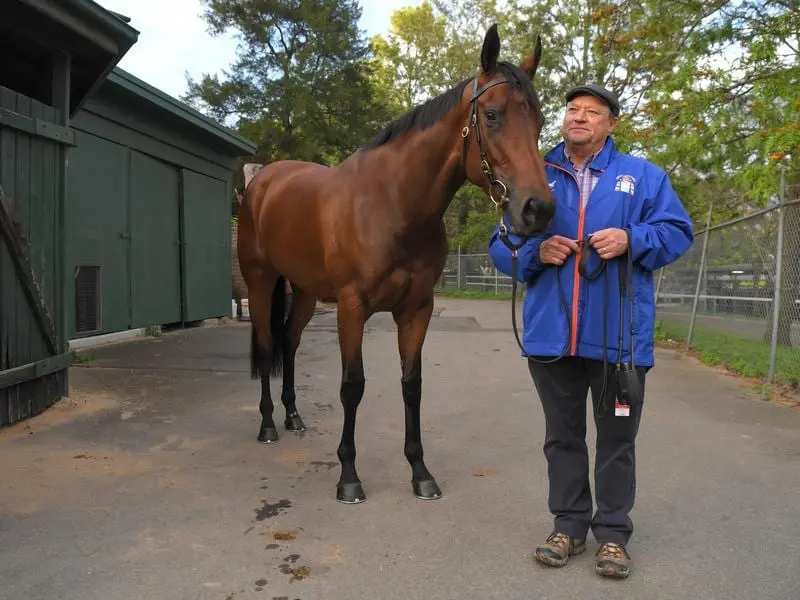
(529, 210)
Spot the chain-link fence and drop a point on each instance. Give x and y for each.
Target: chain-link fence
(734, 297)
(474, 273)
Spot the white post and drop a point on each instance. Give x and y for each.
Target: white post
(458, 269)
(776, 296)
(250, 170)
(700, 276)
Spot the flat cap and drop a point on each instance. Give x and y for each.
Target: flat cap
(598, 92)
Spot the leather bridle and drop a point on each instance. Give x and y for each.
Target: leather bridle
(496, 183)
(485, 166)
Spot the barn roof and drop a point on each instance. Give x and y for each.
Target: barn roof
(153, 98)
(94, 38)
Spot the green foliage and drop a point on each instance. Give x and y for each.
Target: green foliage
(475, 233)
(710, 89)
(732, 107)
(411, 52)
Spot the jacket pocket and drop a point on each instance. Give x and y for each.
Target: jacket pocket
(543, 316)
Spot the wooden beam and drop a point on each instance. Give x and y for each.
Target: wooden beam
(35, 370)
(62, 83)
(62, 70)
(38, 127)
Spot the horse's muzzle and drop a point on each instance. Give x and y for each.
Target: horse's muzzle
(531, 215)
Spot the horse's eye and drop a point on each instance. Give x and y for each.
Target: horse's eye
(491, 115)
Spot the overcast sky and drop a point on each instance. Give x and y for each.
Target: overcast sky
(173, 39)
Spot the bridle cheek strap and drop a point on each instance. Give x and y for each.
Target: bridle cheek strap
(485, 166)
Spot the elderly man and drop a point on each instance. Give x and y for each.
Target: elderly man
(623, 210)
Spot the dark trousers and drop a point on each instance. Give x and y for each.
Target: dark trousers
(563, 387)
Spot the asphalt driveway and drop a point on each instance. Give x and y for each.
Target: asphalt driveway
(148, 482)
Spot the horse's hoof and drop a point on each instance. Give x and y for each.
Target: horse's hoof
(294, 423)
(268, 435)
(350, 493)
(426, 490)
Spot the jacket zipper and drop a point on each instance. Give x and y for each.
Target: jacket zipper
(576, 279)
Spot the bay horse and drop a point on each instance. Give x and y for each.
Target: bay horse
(368, 234)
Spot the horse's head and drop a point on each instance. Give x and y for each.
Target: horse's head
(506, 119)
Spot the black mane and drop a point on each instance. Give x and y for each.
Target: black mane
(421, 116)
(427, 114)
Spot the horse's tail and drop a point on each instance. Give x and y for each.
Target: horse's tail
(278, 332)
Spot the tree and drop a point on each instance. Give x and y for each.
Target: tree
(412, 50)
(735, 105)
(302, 82)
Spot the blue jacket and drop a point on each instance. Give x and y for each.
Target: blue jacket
(659, 230)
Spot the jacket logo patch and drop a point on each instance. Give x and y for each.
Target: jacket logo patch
(625, 183)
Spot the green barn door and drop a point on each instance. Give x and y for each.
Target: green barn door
(206, 233)
(155, 242)
(98, 231)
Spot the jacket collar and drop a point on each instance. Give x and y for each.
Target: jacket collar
(601, 160)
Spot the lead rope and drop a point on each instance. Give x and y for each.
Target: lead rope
(514, 248)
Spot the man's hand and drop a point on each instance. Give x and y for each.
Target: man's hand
(609, 243)
(555, 250)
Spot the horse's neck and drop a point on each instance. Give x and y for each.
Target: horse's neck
(427, 171)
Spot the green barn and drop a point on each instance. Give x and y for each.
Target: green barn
(115, 199)
(148, 223)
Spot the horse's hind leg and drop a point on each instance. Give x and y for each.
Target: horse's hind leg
(266, 315)
(302, 310)
(350, 316)
(412, 326)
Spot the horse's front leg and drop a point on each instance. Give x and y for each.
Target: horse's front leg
(412, 326)
(350, 316)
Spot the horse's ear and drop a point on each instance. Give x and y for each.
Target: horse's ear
(530, 63)
(490, 50)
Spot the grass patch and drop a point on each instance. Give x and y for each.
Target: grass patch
(81, 359)
(473, 294)
(741, 355)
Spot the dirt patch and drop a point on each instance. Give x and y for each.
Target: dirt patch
(78, 404)
(293, 457)
(486, 472)
(35, 477)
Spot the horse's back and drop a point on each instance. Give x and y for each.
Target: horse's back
(289, 222)
(280, 177)
(283, 193)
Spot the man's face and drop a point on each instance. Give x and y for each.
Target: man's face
(587, 121)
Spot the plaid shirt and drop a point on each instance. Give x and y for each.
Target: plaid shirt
(587, 178)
